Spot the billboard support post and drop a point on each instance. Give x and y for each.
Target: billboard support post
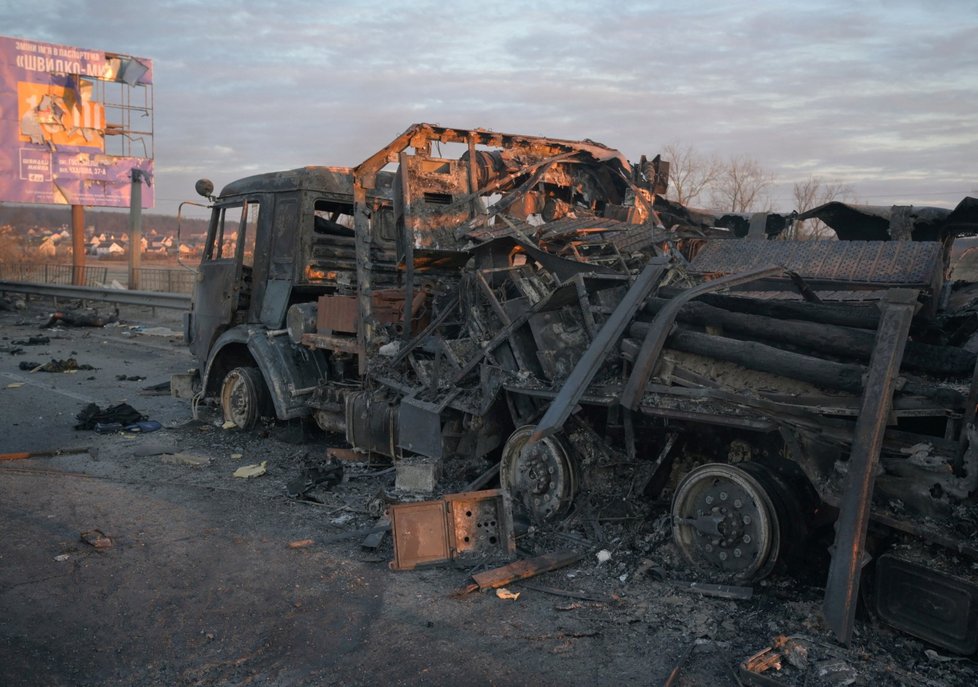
(135, 226)
(78, 245)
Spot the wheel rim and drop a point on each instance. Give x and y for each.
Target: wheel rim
(541, 478)
(239, 399)
(724, 520)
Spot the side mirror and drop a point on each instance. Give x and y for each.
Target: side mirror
(205, 187)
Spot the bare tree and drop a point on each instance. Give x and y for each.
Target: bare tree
(809, 194)
(690, 172)
(740, 186)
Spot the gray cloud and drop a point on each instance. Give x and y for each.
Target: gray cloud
(883, 98)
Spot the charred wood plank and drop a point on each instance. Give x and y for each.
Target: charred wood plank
(758, 356)
(525, 568)
(864, 316)
(849, 554)
(848, 342)
(822, 373)
(654, 340)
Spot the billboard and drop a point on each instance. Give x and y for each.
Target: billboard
(60, 108)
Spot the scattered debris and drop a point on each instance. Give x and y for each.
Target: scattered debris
(33, 341)
(795, 649)
(254, 470)
(62, 557)
(301, 543)
(937, 658)
(67, 365)
(763, 660)
(603, 556)
(836, 672)
(503, 593)
(155, 331)
(122, 414)
(143, 427)
(674, 673)
(161, 389)
(15, 385)
(191, 459)
(721, 591)
(81, 317)
(521, 570)
(544, 589)
(97, 539)
(314, 475)
(49, 454)
(154, 449)
(376, 538)
(229, 424)
(131, 378)
(7, 303)
(348, 455)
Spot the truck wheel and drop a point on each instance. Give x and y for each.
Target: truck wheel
(541, 479)
(243, 397)
(724, 520)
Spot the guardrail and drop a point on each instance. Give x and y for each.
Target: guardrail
(150, 278)
(150, 299)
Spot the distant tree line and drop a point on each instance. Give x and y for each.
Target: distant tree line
(740, 184)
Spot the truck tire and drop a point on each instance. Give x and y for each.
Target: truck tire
(244, 397)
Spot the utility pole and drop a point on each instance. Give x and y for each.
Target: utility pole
(136, 225)
(78, 245)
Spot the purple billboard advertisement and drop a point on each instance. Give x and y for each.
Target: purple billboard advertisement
(53, 124)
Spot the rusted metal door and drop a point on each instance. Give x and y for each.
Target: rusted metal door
(225, 274)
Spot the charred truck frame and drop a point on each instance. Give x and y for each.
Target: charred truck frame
(470, 297)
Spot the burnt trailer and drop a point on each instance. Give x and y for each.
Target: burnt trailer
(471, 298)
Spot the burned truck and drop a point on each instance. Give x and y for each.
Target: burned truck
(484, 301)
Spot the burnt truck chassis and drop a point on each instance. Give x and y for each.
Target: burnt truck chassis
(536, 302)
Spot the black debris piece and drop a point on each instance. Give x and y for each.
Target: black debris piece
(315, 475)
(55, 365)
(33, 341)
(81, 317)
(123, 414)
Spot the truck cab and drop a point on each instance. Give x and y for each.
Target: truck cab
(274, 240)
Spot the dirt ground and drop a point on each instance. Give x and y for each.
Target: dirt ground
(200, 586)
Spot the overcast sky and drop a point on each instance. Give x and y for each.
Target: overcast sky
(882, 96)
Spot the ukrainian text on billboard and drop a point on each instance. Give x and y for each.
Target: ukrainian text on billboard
(53, 129)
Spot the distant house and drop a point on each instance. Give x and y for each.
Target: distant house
(111, 249)
(48, 247)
